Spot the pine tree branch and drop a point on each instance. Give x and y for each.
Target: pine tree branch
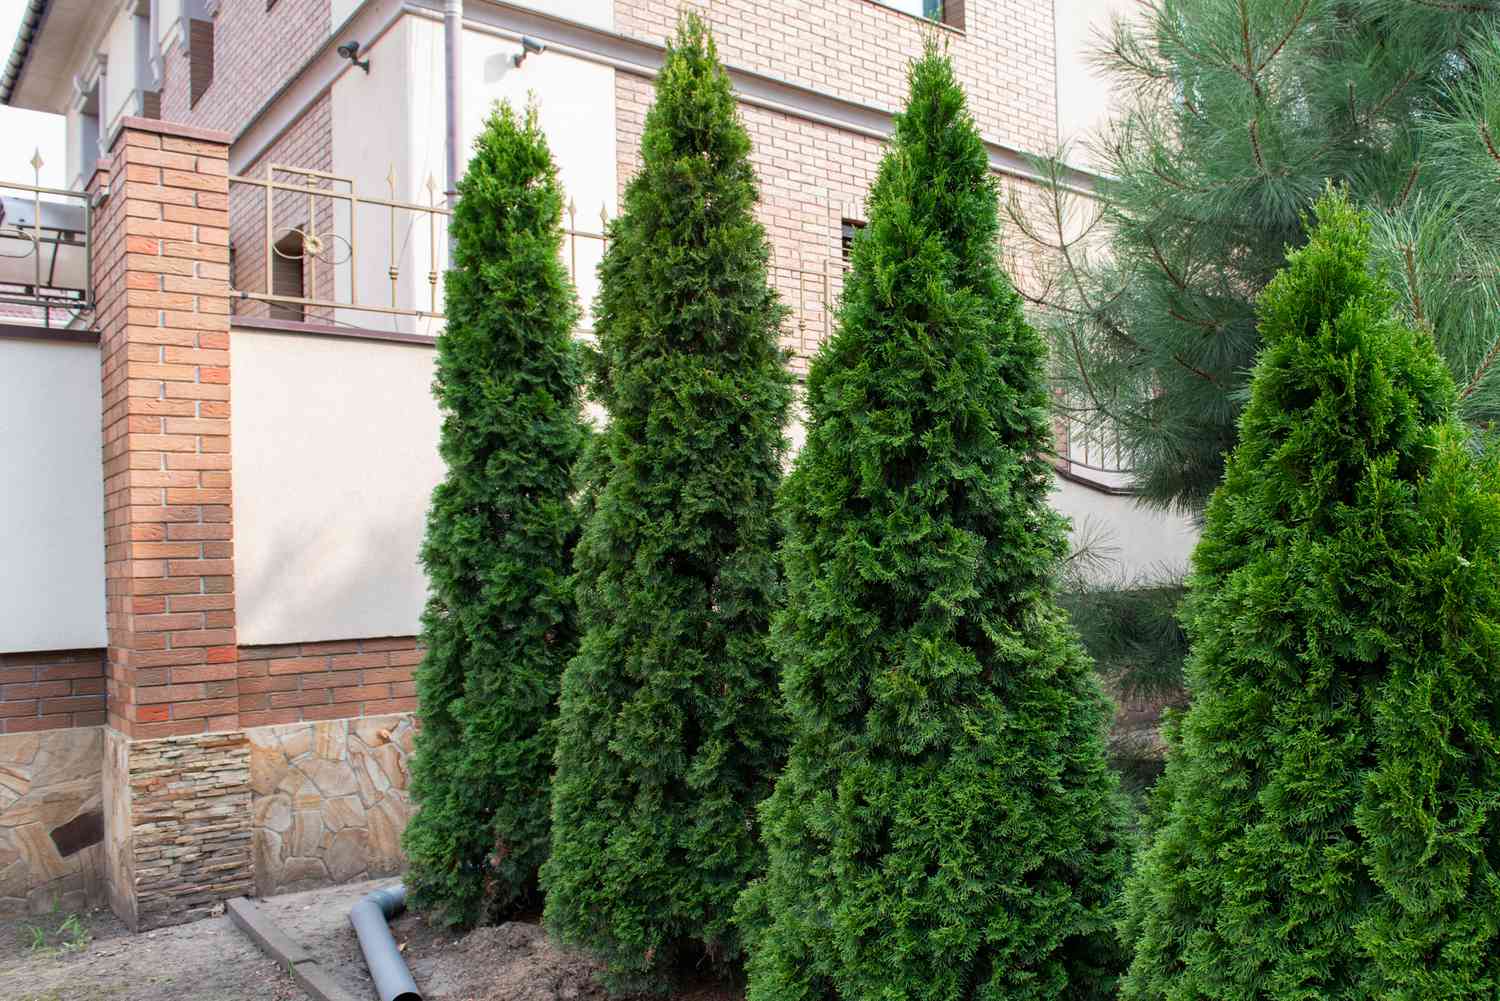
(1458, 8)
(1484, 367)
(1411, 179)
(1276, 49)
(1409, 255)
(1260, 160)
(1250, 71)
(1166, 268)
(1401, 85)
(1489, 141)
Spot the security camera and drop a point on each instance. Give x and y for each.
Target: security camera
(528, 46)
(350, 51)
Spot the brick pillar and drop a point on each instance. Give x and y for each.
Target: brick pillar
(162, 285)
(176, 773)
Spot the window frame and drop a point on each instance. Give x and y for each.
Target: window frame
(950, 16)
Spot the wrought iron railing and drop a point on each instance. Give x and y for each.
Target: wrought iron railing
(317, 221)
(304, 208)
(46, 258)
(1093, 453)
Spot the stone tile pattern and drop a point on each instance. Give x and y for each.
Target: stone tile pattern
(329, 800)
(178, 826)
(333, 680)
(161, 279)
(858, 50)
(51, 821)
(50, 691)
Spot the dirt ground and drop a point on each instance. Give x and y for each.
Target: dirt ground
(93, 957)
(512, 962)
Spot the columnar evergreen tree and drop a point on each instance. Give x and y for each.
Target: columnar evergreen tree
(500, 623)
(1236, 111)
(946, 826)
(671, 732)
(1329, 823)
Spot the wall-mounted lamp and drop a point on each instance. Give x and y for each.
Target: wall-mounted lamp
(350, 51)
(528, 46)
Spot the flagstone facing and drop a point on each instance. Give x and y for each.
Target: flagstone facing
(178, 826)
(329, 800)
(51, 821)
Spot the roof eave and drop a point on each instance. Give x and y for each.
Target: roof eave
(31, 24)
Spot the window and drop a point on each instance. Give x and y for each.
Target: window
(286, 276)
(200, 36)
(949, 12)
(846, 241)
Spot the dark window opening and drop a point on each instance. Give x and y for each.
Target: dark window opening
(846, 241)
(948, 12)
(286, 277)
(200, 58)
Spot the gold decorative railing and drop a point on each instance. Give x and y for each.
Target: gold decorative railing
(46, 257)
(331, 226)
(312, 199)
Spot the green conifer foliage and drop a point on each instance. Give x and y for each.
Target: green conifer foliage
(671, 732)
(946, 827)
(500, 623)
(1329, 823)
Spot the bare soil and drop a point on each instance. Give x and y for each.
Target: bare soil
(93, 957)
(509, 962)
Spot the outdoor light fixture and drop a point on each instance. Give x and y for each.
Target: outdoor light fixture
(528, 46)
(350, 51)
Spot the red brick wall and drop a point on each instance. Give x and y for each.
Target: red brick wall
(335, 680)
(255, 51)
(858, 50)
(308, 144)
(161, 270)
(51, 691)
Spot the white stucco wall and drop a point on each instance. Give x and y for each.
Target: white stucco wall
(335, 458)
(1085, 97)
(1141, 543)
(395, 117)
(51, 497)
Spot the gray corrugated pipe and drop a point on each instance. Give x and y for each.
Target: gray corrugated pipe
(369, 917)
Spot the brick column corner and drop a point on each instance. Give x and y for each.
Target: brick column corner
(161, 282)
(176, 782)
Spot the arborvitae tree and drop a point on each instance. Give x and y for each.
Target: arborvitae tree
(500, 622)
(1329, 823)
(946, 826)
(1236, 111)
(671, 732)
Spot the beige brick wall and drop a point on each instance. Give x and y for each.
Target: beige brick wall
(812, 177)
(858, 50)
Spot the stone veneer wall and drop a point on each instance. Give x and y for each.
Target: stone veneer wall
(329, 800)
(51, 821)
(178, 825)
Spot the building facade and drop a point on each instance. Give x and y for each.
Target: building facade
(207, 639)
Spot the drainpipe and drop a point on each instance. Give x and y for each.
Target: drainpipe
(393, 980)
(453, 33)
